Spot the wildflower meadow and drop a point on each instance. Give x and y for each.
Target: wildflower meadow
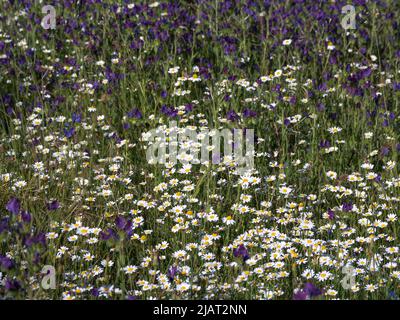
(202, 150)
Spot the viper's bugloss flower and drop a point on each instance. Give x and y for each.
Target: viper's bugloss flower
(347, 206)
(385, 151)
(324, 144)
(53, 205)
(172, 271)
(14, 205)
(300, 295)
(95, 292)
(6, 263)
(4, 224)
(135, 113)
(69, 132)
(308, 291)
(26, 216)
(232, 115)
(31, 240)
(107, 235)
(241, 251)
(248, 113)
(312, 290)
(12, 285)
(76, 117)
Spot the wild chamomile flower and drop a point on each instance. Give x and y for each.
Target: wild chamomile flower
(285, 190)
(287, 42)
(334, 130)
(130, 269)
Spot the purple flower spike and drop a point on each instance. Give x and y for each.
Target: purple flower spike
(241, 251)
(14, 205)
(106, 235)
(6, 263)
(95, 292)
(53, 205)
(385, 151)
(347, 206)
(76, 118)
(69, 132)
(4, 224)
(172, 272)
(135, 113)
(324, 144)
(312, 290)
(248, 113)
(12, 285)
(232, 116)
(309, 291)
(300, 295)
(120, 222)
(26, 216)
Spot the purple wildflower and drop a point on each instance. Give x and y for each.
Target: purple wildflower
(300, 295)
(53, 205)
(12, 285)
(312, 290)
(26, 216)
(241, 251)
(69, 132)
(309, 291)
(14, 205)
(135, 113)
(347, 206)
(172, 272)
(232, 115)
(385, 151)
(248, 113)
(109, 234)
(76, 118)
(6, 263)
